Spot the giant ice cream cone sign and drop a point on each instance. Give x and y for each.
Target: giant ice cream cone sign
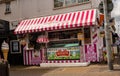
(5, 49)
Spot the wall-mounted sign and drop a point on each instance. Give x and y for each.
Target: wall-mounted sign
(80, 36)
(15, 47)
(63, 53)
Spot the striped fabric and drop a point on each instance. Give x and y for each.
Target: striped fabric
(57, 22)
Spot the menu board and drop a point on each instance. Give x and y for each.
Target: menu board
(63, 53)
(15, 46)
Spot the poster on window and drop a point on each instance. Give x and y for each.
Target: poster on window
(63, 53)
(91, 53)
(15, 47)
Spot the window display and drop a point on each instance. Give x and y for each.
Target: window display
(66, 38)
(63, 45)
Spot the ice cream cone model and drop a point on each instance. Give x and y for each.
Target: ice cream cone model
(5, 50)
(5, 54)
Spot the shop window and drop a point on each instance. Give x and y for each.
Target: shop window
(87, 35)
(63, 45)
(8, 9)
(28, 40)
(65, 3)
(58, 3)
(32, 40)
(64, 38)
(70, 2)
(61, 35)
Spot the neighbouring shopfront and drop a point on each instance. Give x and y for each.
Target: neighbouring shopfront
(65, 38)
(4, 34)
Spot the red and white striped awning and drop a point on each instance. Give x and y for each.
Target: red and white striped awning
(56, 22)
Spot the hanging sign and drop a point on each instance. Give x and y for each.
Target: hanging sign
(80, 36)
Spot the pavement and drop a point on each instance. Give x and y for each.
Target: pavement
(91, 70)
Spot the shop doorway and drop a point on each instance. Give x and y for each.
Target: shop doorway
(15, 58)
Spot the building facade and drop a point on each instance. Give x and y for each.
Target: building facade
(16, 11)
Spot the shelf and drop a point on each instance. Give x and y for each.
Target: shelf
(56, 40)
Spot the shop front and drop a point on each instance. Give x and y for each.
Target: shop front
(65, 38)
(4, 34)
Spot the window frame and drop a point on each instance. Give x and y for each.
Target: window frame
(8, 8)
(13, 48)
(69, 5)
(4, 1)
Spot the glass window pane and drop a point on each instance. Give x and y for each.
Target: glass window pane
(58, 3)
(70, 2)
(80, 1)
(8, 7)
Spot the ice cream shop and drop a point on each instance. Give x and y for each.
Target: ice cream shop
(67, 38)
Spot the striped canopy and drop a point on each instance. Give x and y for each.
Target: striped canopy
(57, 22)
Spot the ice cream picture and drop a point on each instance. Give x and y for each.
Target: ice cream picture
(5, 49)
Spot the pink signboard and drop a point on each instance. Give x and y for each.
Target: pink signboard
(91, 52)
(32, 57)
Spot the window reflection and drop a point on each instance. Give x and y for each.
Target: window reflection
(70, 2)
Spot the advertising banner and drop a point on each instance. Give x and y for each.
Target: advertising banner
(91, 52)
(63, 53)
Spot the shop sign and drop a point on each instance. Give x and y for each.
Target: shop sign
(15, 47)
(63, 53)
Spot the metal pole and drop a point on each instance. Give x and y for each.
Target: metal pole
(107, 36)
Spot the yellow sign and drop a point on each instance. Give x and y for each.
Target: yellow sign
(80, 36)
(102, 34)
